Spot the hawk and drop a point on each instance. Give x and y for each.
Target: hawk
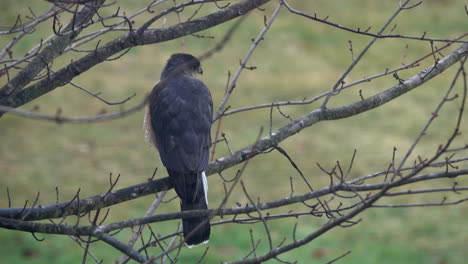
(178, 122)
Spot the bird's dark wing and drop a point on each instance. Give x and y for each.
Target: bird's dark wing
(181, 116)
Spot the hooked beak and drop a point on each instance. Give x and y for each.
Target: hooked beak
(200, 70)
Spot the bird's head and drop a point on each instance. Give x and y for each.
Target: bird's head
(182, 63)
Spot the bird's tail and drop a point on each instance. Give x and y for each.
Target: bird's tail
(192, 191)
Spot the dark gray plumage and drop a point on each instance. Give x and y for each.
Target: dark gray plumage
(180, 116)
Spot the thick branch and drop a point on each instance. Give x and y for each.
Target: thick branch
(338, 113)
(88, 204)
(92, 230)
(53, 50)
(129, 40)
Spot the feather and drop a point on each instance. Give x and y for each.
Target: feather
(147, 128)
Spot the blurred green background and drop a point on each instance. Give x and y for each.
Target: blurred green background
(298, 58)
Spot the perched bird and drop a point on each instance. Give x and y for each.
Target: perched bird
(178, 122)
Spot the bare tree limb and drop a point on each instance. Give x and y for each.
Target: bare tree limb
(131, 39)
(58, 44)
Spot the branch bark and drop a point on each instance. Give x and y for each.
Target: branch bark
(129, 40)
(53, 50)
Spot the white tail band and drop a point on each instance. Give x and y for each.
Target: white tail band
(205, 186)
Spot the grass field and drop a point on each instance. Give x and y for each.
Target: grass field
(297, 59)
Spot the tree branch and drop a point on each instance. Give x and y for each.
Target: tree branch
(53, 50)
(131, 39)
